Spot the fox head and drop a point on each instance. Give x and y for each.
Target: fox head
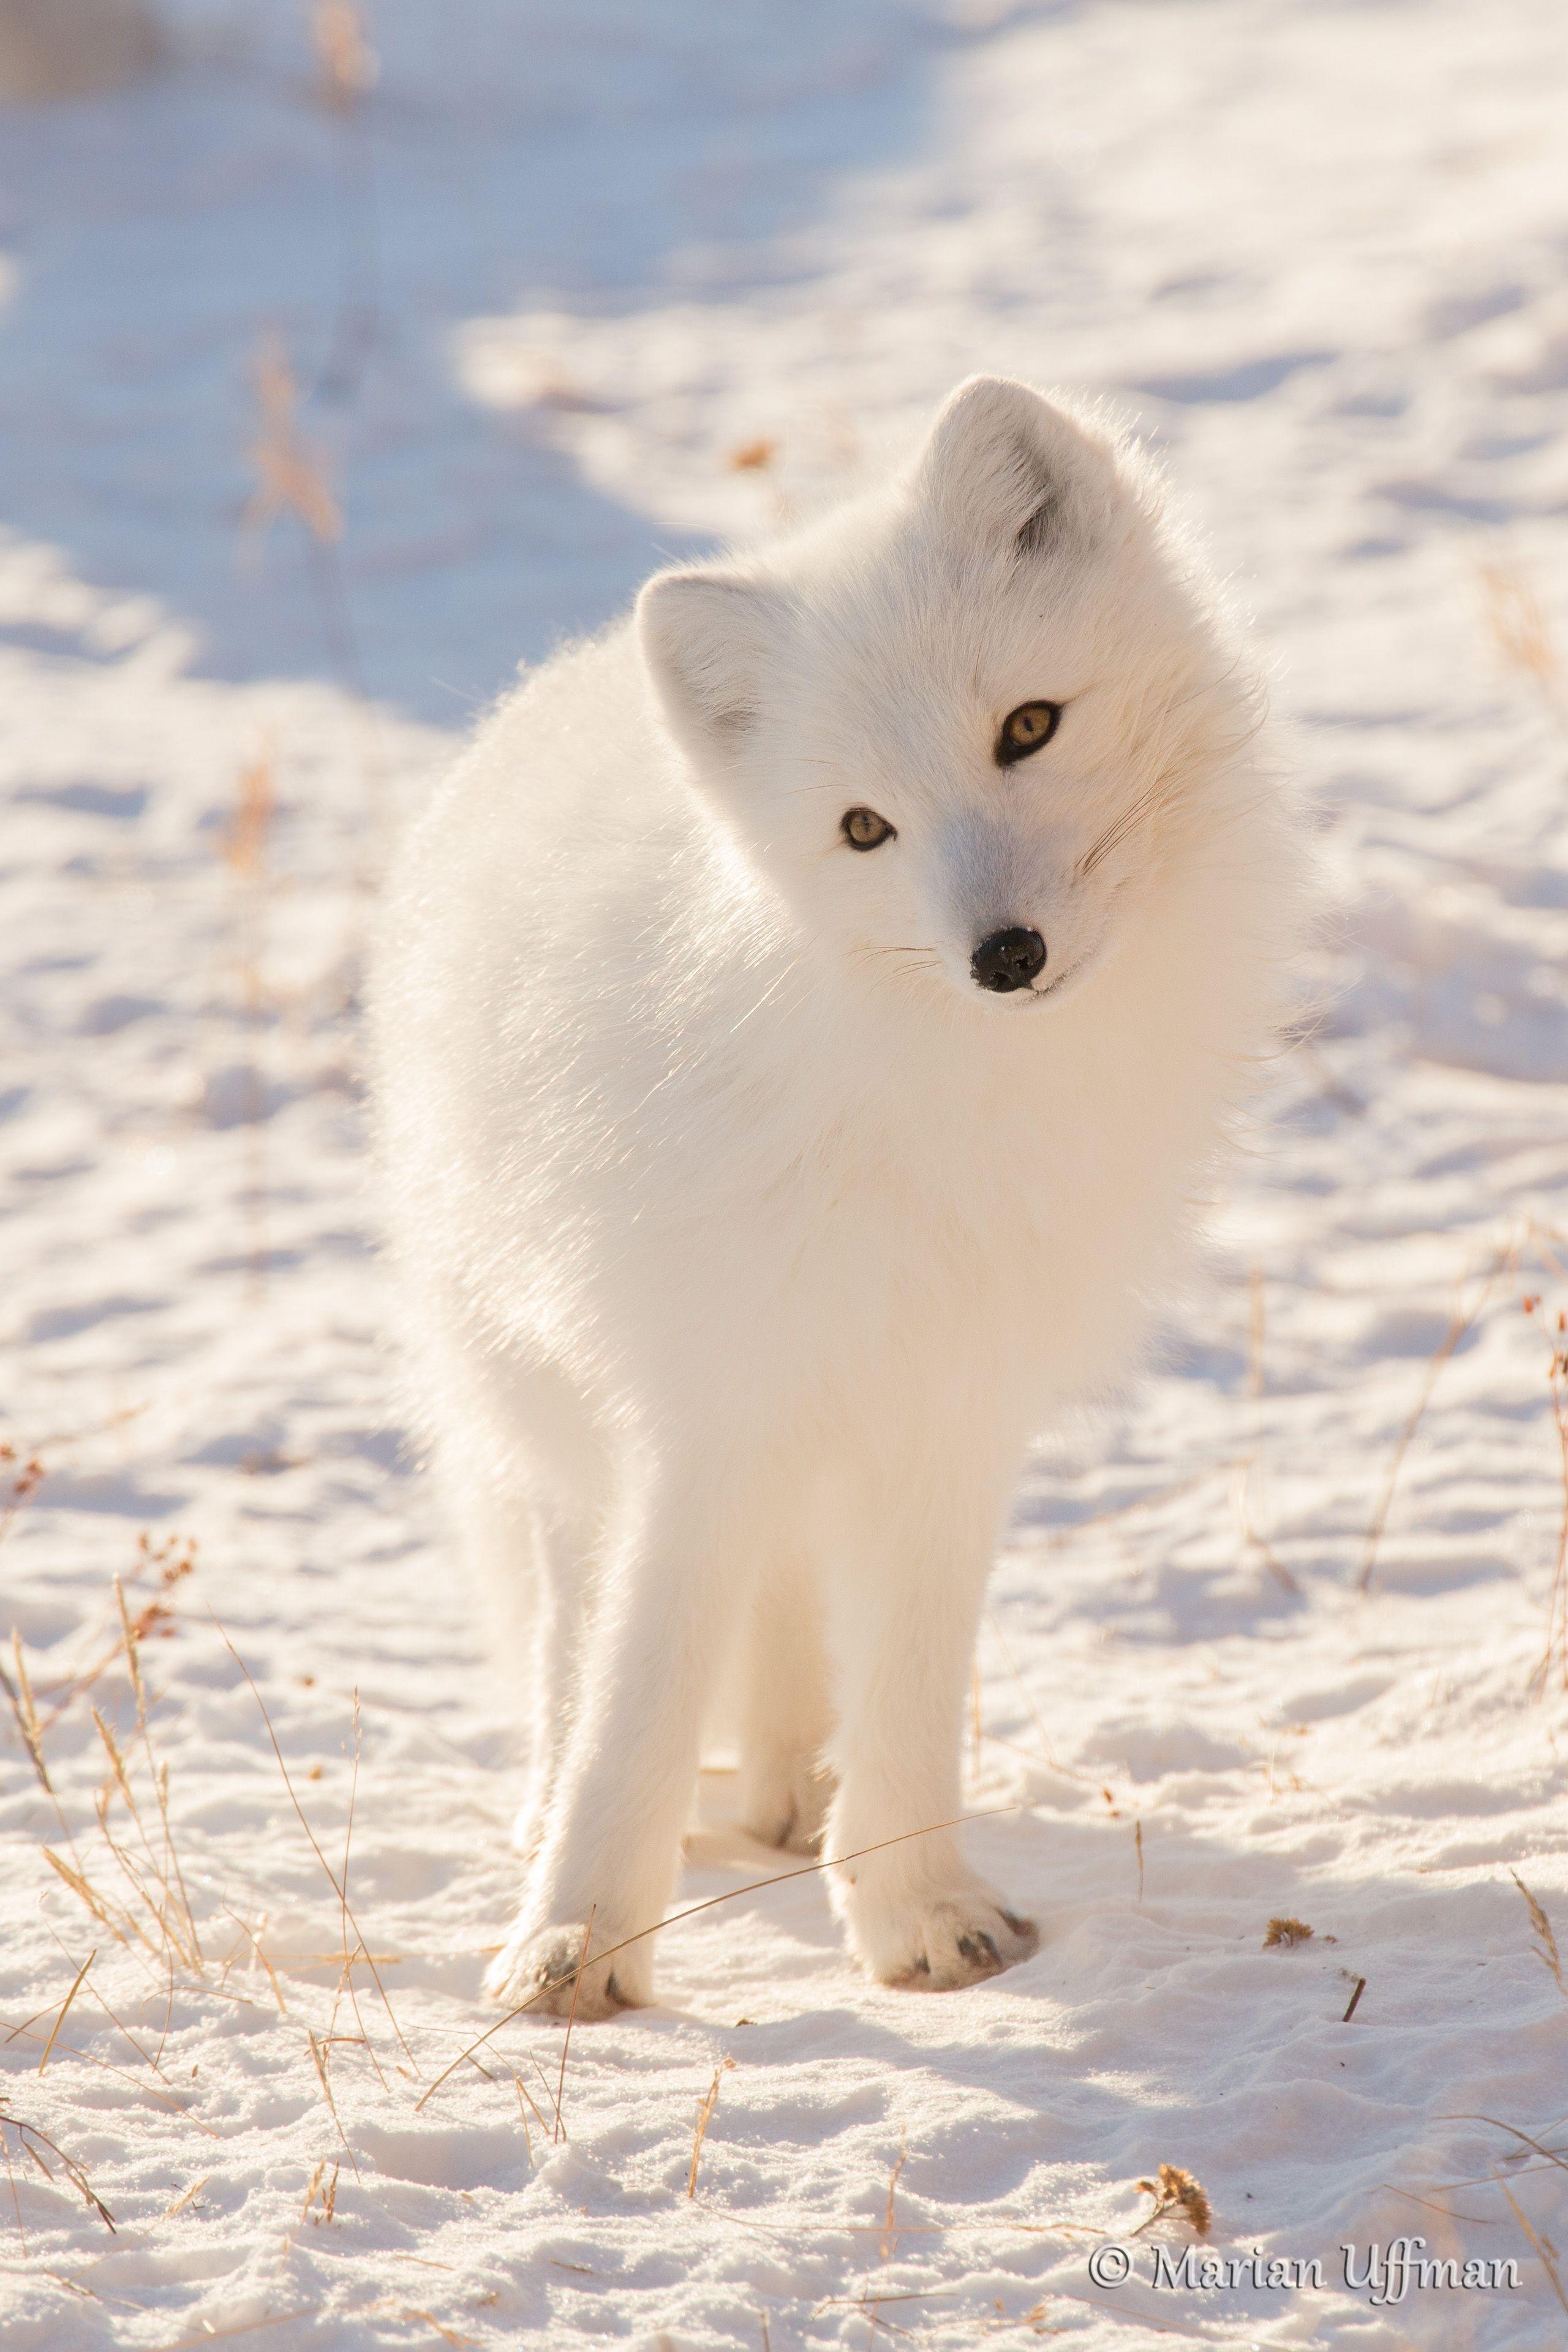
(963, 725)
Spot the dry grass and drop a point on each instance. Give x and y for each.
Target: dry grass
(24, 1708)
(24, 1477)
(170, 1560)
(347, 70)
(65, 2007)
(361, 1951)
(571, 2021)
(704, 2117)
(244, 842)
(1545, 1947)
(291, 474)
(31, 2141)
(291, 481)
(1520, 632)
(135, 1887)
(1544, 2246)
(1465, 1316)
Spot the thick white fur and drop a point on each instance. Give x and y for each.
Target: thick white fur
(746, 1242)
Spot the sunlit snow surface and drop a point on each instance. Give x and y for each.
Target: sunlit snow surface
(558, 276)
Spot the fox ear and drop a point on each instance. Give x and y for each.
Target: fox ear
(1001, 461)
(705, 637)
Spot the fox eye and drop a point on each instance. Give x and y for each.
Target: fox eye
(1026, 729)
(863, 829)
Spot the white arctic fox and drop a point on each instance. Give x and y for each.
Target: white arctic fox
(805, 1019)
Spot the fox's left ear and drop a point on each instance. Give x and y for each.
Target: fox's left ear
(1003, 461)
(705, 636)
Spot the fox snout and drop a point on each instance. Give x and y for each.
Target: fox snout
(1009, 958)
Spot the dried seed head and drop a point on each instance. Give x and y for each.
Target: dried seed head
(1286, 1931)
(1175, 2191)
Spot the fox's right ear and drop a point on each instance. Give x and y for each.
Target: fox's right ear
(705, 637)
(1005, 462)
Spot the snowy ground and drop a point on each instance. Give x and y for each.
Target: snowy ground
(539, 297)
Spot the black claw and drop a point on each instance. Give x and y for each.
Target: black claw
(973, 1945)
(1019, 1927)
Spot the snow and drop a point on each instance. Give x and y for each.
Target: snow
(559, 270)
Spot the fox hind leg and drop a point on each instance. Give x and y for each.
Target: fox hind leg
(786, 1718)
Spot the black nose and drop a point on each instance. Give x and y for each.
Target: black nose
(1008, 960)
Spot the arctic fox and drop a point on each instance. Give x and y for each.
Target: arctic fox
(803, 1021)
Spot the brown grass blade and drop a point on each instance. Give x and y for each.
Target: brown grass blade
(1547, 2263)
(1463, 1319)
(704, 2117)
(65, 2009)
(1546, 1950)
(28, 2134)
(20, 1694)
(318, 2059)
(315, 1847)
(571, 2021)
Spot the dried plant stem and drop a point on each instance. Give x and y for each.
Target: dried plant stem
(339, 1891)
(1547, 2262)
(24, 1708)
(1546, 1950)
(1463, 1320)
(31, 2139)
(106, 2066)
(170, 1930)
(120, 1923)
(318, 2059)
(571, 2021)
(889, 2218)
(160, 1780)
(872, 2303)
(347, 68)
(65, 2009)
(704, 2117)
(257, 1947)
(1523, 633)
(346, 1976)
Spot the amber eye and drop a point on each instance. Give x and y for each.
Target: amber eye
(863, 829)
(1026, 729)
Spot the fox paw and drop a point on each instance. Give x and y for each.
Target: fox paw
(786, 1803)
(543, 1969)
(938, 1942)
